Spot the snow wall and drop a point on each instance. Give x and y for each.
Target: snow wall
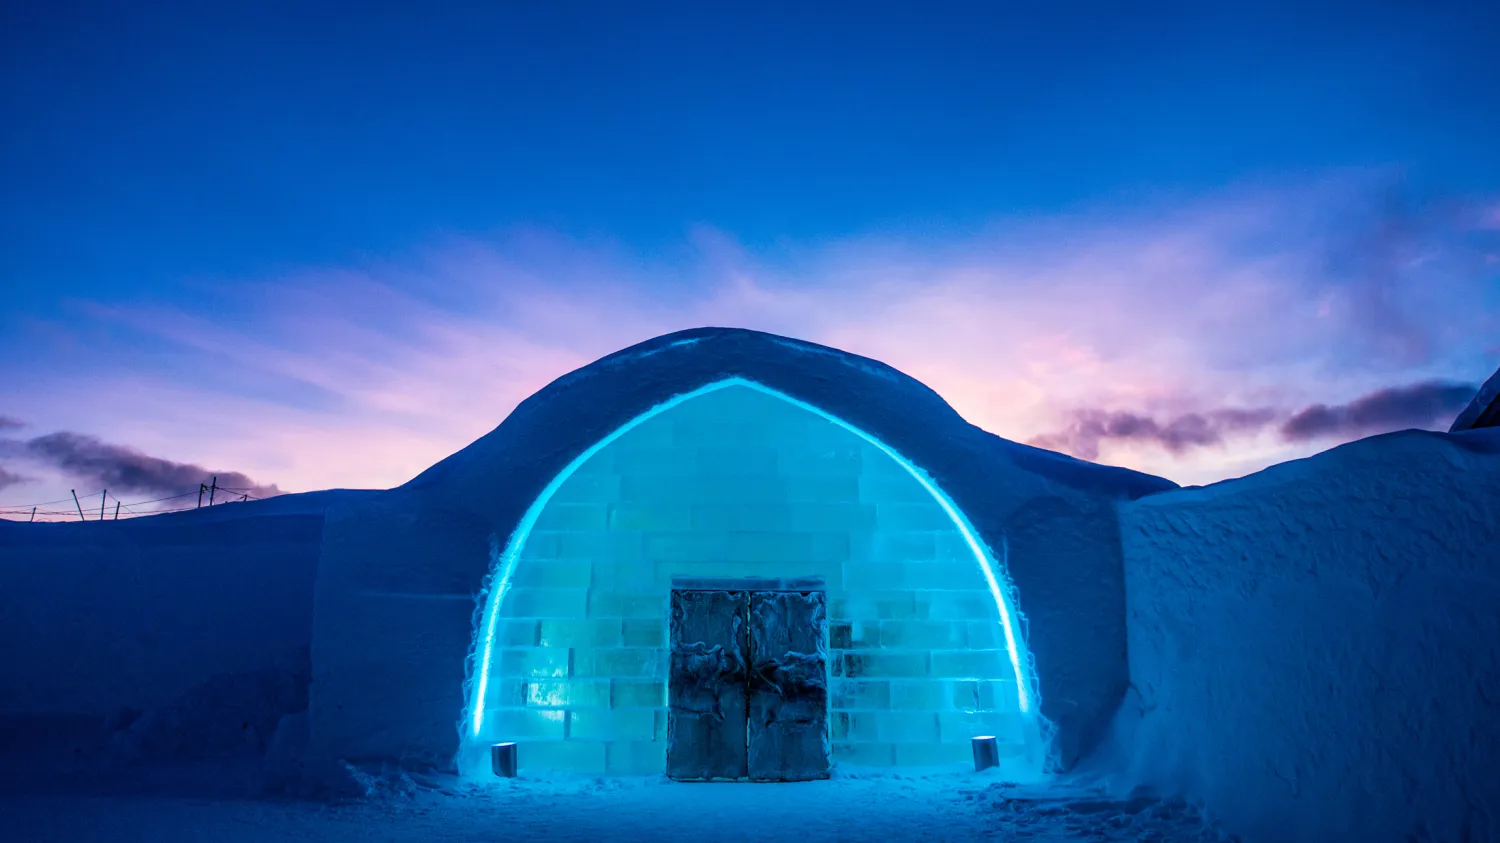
(396, 609)
(1315, 649)
(101, 619)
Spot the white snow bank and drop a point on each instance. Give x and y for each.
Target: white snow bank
(1315, 649)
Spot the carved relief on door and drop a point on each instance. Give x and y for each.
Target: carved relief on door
(748, 688)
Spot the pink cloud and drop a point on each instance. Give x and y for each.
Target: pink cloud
(364, 377)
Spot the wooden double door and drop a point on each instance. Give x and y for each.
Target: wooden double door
(747, 693)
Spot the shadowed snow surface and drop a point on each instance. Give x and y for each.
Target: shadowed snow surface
(400, 808)
(1313, 649)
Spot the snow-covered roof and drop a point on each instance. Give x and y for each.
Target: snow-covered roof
(1484, 410)
(582, 407)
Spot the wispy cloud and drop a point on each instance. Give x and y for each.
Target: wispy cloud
(1157, 316)
(1177, 434)
(10, 423)
(1428, 405)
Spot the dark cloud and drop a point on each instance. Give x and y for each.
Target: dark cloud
(1427, 404)
(1177, 434)
(8, 479)
(1430, 404)
(11, 423)
(124, 470)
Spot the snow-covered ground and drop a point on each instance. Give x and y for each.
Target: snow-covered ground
(437, 810)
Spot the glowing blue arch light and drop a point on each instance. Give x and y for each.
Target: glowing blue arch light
(504, 562)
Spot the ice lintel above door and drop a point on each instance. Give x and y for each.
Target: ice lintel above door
(798, 584)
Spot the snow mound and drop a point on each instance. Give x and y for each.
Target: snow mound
(1313, 649)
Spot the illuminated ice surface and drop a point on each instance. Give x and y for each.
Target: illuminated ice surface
(732, 480)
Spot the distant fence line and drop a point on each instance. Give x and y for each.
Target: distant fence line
(83, 508)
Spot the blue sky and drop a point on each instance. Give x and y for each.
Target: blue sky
(222, 165)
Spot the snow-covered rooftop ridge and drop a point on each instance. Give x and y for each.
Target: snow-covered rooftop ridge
(1401, 447)
(587, 404)
(1484, 410)
(696, 336)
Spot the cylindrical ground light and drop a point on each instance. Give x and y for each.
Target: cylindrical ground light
(986, 753)
(503, 760)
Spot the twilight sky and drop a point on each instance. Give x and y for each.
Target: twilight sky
(303, 247)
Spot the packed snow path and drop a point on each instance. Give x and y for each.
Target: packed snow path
(847, 810)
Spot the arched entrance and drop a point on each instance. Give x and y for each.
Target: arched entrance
(738, 480)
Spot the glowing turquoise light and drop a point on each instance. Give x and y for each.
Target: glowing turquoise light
(503, 562)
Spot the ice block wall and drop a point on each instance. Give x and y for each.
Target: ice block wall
(738, 482)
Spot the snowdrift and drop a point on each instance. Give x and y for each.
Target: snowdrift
(1315, 649)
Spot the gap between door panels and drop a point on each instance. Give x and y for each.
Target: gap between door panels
(748, 684)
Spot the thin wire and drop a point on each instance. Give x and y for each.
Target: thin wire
(239, 495)
(49, 503)
(159, 500)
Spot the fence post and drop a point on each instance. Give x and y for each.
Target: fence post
(33, 513)
(202, 487)
(77, 504)
(103, 499)
(117, 510)
(213, 489)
